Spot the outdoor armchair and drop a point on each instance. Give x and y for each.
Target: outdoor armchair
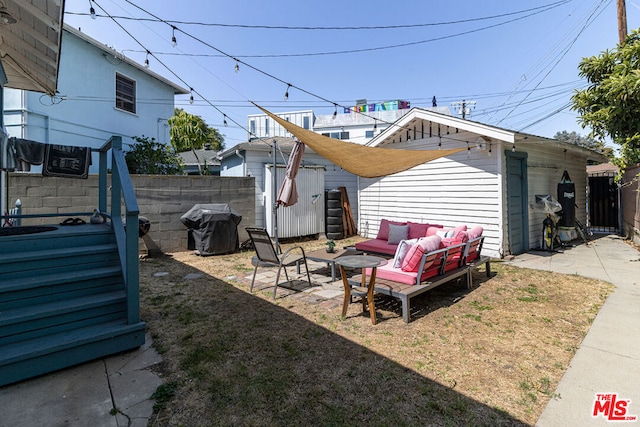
(267, 255)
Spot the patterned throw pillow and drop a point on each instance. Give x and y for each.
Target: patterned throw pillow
(397, 233)
(401, 251)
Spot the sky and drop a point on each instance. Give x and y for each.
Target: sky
(515, 64)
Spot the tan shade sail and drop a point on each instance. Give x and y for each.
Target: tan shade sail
(368, 162)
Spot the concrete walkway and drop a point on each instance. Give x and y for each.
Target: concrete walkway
(110, 392)
(608, 359)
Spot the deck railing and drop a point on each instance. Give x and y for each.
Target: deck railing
(122, 195)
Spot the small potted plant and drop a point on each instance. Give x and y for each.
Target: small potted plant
(331, 245)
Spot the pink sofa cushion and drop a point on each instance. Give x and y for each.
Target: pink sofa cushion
(425, 245)
(383, 231)
(376, 245)
(417, 230)
(389, 272)
(474, 232)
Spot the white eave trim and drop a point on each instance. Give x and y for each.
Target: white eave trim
(445, 120)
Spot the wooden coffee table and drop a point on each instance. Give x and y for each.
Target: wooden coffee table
(321, 255)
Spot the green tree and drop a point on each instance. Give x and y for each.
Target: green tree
(584, 141)
(611, 103)
(149, 157)
(190, 132)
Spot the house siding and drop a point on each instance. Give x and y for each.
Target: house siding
(438, 192)
(545, 165)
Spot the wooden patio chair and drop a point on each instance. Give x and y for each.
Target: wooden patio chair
(267, 255)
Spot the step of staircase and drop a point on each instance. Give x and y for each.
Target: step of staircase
(62, 301)
(42, 355)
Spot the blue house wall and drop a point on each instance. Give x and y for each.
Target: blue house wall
(84, 112)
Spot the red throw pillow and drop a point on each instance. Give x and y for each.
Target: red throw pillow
(383, 231)
(412, 259)
(417, 230)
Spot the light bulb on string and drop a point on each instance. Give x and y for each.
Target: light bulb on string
(489, 149)
(286, 94)
(146, 60)
(92, 11)
(174, 42)
(468, 150)
(191, 95)
(335, 112)
(375, 125)
(513, 149)
(237, 67)
(224, 121)
(439, 143)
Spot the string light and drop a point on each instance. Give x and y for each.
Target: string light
(237, 68)
(224, 121)
(286, 94)
(513, 149)
(375, 125)
(439, 142)
(191, 95)
(335, 112)
(174, 42)
(146, 60)
(489, 149)
(92, 11)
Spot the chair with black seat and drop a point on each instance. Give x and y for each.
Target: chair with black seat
(267, 255)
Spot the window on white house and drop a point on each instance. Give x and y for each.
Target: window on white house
(266, 127)
(368, 134)
(125, 94)
(305, 122)
(252, 127)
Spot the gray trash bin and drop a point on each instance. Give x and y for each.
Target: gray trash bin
(212, 228)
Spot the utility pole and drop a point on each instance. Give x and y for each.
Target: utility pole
(462, 108)
(622, 20)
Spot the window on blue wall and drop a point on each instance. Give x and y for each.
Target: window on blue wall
(125, 94)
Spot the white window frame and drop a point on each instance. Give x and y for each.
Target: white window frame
(125, 98)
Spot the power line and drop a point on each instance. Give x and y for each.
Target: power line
(327, 28)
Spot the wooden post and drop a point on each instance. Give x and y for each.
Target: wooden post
(622, 20)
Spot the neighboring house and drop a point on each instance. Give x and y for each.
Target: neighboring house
(491, 184)
(261, 126)
(317, 174)
(100, 93)
(347, 124)
(201, 160)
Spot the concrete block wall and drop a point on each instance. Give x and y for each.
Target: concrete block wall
(161, 199)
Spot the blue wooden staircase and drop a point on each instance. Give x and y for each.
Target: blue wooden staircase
(70, 295)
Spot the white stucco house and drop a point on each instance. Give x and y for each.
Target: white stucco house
(100, 93)
(492, 183)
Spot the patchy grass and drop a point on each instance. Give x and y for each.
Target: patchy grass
(489, 356)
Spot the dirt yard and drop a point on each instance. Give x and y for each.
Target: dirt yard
(492, 355)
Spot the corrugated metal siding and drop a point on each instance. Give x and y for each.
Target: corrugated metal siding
(461, 189)
(305, 217)
(255, 166)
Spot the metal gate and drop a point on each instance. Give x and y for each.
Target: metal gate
(603, 203)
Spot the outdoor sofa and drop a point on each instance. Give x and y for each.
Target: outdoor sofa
(424, 263)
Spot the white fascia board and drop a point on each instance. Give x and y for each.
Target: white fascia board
(445, 120)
